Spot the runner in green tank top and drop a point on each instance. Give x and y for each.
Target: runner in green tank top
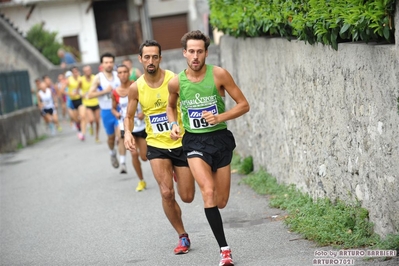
(194, 102)
(207, 143)
(135, 73)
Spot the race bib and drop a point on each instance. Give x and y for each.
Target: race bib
(195, 117)
(159, 123)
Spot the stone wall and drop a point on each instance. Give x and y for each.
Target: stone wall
(20, 128)
(18, 54)
(322, 119)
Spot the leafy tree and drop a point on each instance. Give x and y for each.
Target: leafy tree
(45, 41)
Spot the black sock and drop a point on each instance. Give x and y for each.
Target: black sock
(215, 221)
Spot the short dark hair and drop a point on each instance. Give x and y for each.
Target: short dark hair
(149, 43)
(195, 35)
(122, 65)
(107, 55)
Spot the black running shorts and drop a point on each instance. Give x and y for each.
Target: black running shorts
(140, 134)
(76, 103)
(93, 108)
(215, 148)
(47, 111)
(176, 155)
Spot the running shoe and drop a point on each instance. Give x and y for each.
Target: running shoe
(225, 258)
(98, 141)
(114, 161)
(81, 136)
(183, 246)
(123, 168)
(51, 128)
(59, 128)
(91, 131)
(141, 186)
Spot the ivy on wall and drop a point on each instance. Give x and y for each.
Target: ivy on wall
(314, 21)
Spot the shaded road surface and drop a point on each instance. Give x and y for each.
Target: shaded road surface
(63, 204)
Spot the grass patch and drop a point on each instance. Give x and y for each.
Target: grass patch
(337, 224)
(36, 140)
(242, 166)
(31, 142)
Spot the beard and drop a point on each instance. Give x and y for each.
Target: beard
(153, 70)
(196, 67)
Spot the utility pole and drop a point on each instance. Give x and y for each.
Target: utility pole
(146, 25)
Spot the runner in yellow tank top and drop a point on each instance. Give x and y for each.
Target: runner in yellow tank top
(78, 112)
(154, 102)
(166, 156)
(91, 104)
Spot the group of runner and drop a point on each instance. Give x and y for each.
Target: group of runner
(176, 121)
(86, 99)
(187, 136)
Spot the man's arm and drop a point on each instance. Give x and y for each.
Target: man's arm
(114, 106)
(225, 82)
(129, 119)
(55, 100)
(93, 92)
(171, 109)
(39, 101)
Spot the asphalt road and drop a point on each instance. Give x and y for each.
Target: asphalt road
(62, 203)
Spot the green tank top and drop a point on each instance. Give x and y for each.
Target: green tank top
(133, 76)
(196, 97)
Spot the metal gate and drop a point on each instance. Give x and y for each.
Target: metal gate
(15, 91)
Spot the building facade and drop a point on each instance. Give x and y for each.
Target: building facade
(92, 27)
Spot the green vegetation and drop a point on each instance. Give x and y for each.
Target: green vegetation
(31, 142)
(327, 223)
(38, 139)
(242, 166)
(45, 41)
(314, 21)
(47, 44)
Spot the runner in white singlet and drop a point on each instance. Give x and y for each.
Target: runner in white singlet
(120, 102)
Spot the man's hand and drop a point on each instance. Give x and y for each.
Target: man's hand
(129, 141)
(140, 116)
(175, 132)
(210, 117)
(108, 89)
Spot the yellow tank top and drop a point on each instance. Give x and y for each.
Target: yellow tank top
(85, 89)
(73, 85)
(153, 102)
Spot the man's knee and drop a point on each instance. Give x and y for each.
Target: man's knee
(222, 202)
(186, 197)
(167, 194)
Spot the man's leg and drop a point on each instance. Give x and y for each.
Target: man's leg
(108, 123)
(136, 163)
(185, 184)
(141, 150)
(97, 121)
(121, 150)
(208, 183)
(162, 170)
